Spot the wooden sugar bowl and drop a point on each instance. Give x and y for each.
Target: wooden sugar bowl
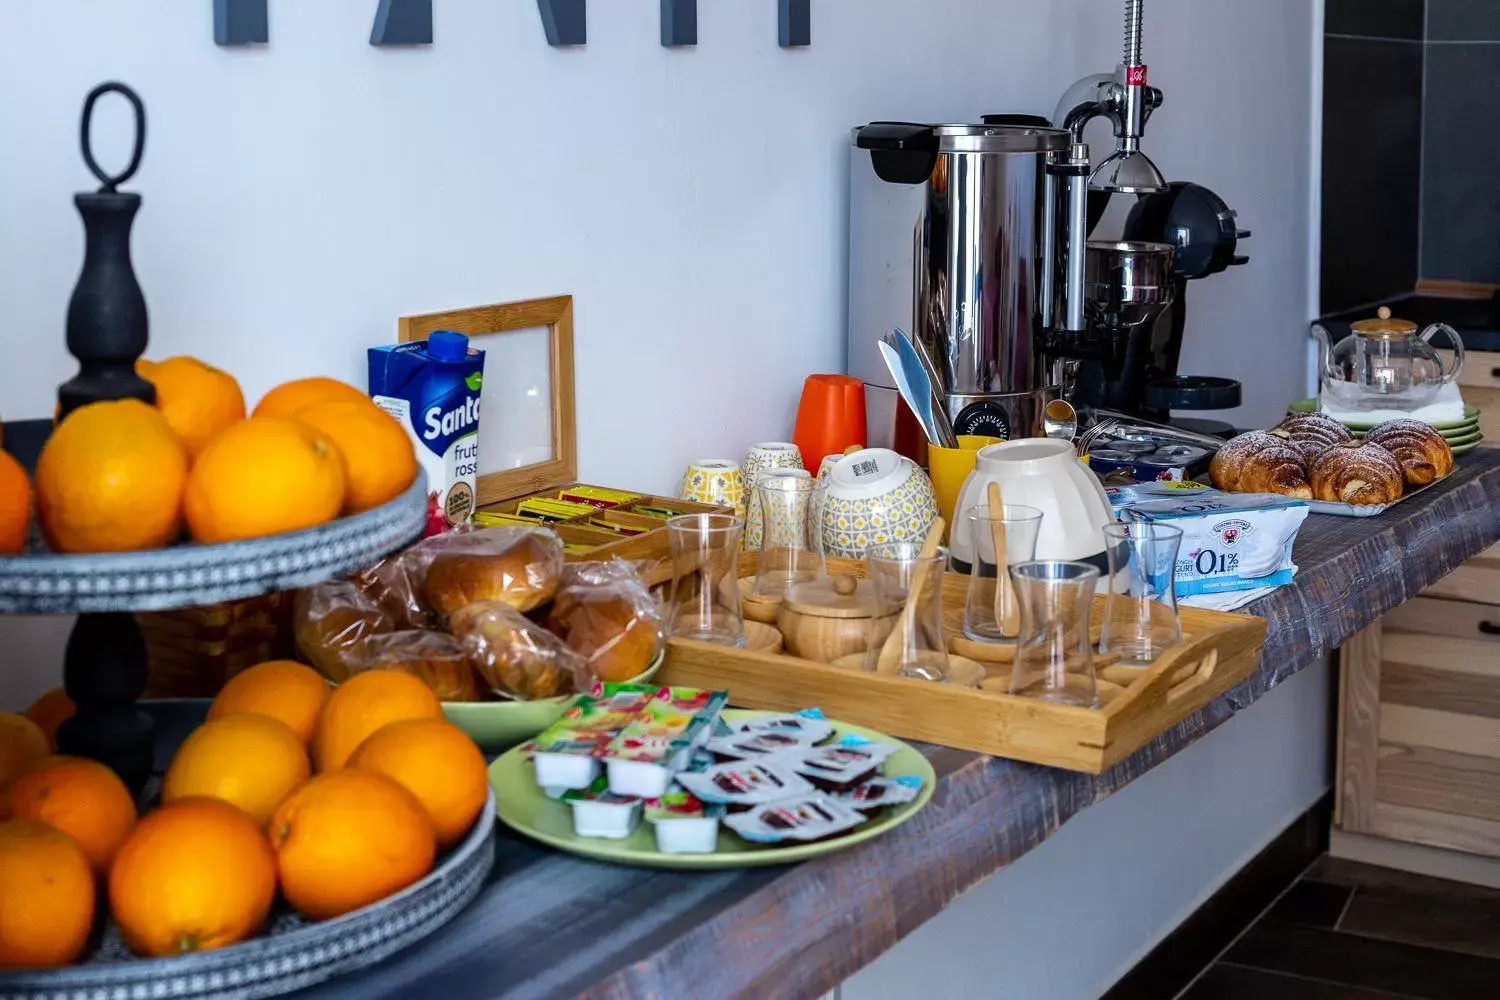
(833, 617)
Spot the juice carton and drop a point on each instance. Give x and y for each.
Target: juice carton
(432, 389)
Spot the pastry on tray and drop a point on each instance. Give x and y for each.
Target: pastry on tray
(1424, 455)
(1359, 473)
(1260, 462)
(1312, 434)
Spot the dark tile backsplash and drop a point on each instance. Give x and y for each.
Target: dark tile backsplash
(1372, 142)
(1377, 18)
(1461, 20)
(1461, 186)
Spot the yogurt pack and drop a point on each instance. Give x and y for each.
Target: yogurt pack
(1230, 541)
(432, 389)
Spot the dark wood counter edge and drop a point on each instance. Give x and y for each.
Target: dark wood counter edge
(815, 924)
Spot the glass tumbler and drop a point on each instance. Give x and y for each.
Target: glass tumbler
(1054, 661)
(790, 552)
(911, 585)
(991, 613)
(705, 601)
(1140, 619)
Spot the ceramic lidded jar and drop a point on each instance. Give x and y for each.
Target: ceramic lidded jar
(1044, 473)
(834, 616)
(875, 497)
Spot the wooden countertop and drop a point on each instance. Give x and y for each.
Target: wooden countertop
(550, 925)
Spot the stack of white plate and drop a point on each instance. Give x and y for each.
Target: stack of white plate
(1462, 435)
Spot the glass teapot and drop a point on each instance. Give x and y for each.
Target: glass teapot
(1385, 364)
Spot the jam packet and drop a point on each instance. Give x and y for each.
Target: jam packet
(807, 727)
(877, 793)
(566, 752)
(660, 740)
(684, 823)
(840, 766)
(805, 817)
(599, 812)
(745, 783)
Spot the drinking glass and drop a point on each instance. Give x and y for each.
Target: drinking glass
(1053, 660)
(790, 552)
(900, 572)
(705, 602)
(1140, 618)
(991, 613)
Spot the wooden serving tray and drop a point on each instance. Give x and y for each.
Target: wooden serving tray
(1218, 651)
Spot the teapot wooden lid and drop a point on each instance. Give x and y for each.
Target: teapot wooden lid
(1383, 324)
(839, 596)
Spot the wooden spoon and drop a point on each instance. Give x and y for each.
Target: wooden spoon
(1007, 614)
(890, 654)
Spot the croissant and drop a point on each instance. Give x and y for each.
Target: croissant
(1259, 462)
(1357, 472)
(1424, 456)
(1312, 433)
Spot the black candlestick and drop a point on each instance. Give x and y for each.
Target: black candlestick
(107, 328)
(104, 671)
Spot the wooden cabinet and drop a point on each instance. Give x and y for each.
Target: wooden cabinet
(1420, 718)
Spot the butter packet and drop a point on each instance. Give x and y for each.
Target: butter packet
(745, 783)
(749, 745)
(807, 727)
(1230, 541)
(841, 766)
(805, 817)
(878, 793)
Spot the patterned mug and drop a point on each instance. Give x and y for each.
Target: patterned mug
(766, 455)
(875, 497)
(717, 482)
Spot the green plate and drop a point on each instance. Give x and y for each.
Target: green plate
(1471, 416)
(498, 725)
(521, 806)
(1464, 449)
(1457, 435)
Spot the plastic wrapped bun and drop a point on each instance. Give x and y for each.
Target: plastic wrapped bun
(604, 612)
(331, 622)
(395, 585)
(516, 656)
(516, 566)
(432, 657)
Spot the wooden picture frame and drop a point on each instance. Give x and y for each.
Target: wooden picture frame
(556, 315)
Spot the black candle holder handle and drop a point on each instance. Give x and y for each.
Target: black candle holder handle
(111, 182)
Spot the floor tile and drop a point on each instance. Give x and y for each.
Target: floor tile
(1312, 904)
(1229, 982)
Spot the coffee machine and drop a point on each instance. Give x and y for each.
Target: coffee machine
(975, 238)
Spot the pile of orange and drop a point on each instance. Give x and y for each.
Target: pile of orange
(121, 476)
(245, 814)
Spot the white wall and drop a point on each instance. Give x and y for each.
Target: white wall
(299, 198)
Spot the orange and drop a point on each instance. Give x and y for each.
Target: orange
(289, 397)
(81, 798)
(195, 875)
(282, 689)
(365, 703)
(250, 761)
(378, 455)
(199, 401)
(110, 479)
(436, 762)
(50, 711)
(21, 742)
(46, 897)
(261, 477)
(15, 505)
(347, 840)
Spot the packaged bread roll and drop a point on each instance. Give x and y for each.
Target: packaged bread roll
(331, 622)
(514, 655)
(434, 658)
(604, 612)
(513, 565)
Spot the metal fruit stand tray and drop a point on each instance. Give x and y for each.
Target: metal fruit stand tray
(105, 663)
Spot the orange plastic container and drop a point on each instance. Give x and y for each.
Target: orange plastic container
(830, 418)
